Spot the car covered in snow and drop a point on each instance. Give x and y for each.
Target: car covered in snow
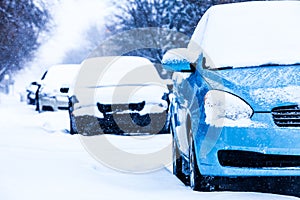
(31, 92)
(119, 95)
(235, 103)
(53, 93)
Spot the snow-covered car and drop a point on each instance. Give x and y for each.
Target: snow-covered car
(119, 95)
(235, 107)
(31, 92)
(53, 93)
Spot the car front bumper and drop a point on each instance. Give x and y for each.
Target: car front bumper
(56, 103)
(89, 120)
(270, 150)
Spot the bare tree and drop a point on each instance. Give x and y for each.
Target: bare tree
(181, 16)
(135, 14)
(21, 23)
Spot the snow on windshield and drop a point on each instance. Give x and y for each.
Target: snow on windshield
(61, 74)
(250, 34)
(118, 70)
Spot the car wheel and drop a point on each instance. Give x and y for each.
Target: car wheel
(178, 162)
(195, 176)
(199, 182)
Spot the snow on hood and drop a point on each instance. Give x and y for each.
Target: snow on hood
(262, 87)
(130, 94)
(118, 79)
(250, 34)
(288, 94)
(121, 94)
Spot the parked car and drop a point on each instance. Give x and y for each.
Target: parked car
(119, 95)
(53, 93)
(31, 93)
(235, 107)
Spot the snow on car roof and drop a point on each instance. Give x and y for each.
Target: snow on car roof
(250, 34)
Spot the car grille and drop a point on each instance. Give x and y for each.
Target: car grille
(236, 158)
(287, 116)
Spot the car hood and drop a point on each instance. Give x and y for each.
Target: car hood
(263, 87)
(54, 89)
(121, 94)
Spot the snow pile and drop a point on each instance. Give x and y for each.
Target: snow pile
(54, 121)
(250, 34)
(36, 164)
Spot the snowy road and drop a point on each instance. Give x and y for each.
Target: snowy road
(40, 161)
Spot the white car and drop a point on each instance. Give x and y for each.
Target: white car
(53, 93)
(31, 93)
(119, 95)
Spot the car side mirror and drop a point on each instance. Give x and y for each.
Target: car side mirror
(178, 60)
(73, 99)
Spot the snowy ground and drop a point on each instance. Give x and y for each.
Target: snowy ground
(39, 160)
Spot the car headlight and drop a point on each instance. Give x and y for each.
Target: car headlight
(221, 107)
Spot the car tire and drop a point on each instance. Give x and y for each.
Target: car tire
(195, 176)
(199, 182)
(178, 162)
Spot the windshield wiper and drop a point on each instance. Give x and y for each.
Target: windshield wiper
(220, 68)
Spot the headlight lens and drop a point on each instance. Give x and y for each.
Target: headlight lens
(222, 106)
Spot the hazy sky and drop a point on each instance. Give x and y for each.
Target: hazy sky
(71, 19)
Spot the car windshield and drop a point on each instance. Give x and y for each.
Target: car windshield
(118, 70)
(61, 74)
(250, 34)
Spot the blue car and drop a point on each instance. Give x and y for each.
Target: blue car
(235, 104)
